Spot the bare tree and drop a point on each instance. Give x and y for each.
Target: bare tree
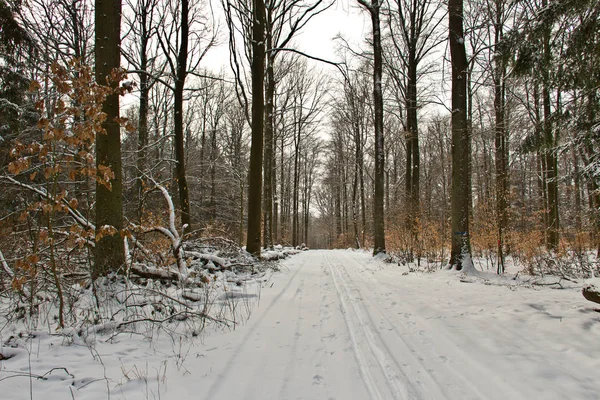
(109, 249)
(185, 38)
(256, 149)
(378, 199)
(461, 149)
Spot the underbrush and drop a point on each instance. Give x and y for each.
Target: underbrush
(161, 312)
(523, 253)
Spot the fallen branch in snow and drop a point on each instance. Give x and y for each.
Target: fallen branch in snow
(537, 283)
(18, 374)
(171, 231)
(36, 376)
(178, 315)
(208, 257)
(144, 271)
(240, 265)
(181, 315)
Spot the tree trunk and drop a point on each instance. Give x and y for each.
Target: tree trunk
(461, 247)
(256, 150)
(363, 200)
(142, 142)
(295, 190)
(500, 147)
(358, 163)
(412, 151)
(577, 188)
(275, 231)
(269, 154)
(109, 251)
(180, 175)
(552, 227)
(378, 198)
(142, 113)
(213, 171)
(282, 189)
(354, 203)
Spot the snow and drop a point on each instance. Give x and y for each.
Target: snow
(334, 325)
(592, 284)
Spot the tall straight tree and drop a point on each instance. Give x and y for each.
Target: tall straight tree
(378, 213)
(109, 249)
(181, 68)
(256, 150)
(498, 11)
(461, 149)
(184, 37)
(550, 142)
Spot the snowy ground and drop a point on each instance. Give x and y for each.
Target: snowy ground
(340, 325)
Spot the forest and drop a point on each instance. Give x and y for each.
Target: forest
(198, 202)
(455, 130)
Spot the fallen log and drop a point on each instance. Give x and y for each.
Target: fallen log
(144, 271)
(591, 290)
(591, 294)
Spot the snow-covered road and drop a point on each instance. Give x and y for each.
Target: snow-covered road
(340, 325)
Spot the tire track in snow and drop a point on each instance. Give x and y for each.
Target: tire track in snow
(478, 374)
(289, 369)
(428, 383)
(255, 324)
(389, 368)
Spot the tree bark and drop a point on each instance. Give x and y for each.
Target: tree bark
(297, 151)
(378, 198)
(180, 175)
(500, 145)
(551, 170)
(256, 151)
(109, 251)
(412, 150)
(461, 246)
(142, 113)
(269, 153)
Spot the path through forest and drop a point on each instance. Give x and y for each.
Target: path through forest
(337, 325)
(340, 325)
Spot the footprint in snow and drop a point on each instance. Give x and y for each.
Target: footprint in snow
(318, 380)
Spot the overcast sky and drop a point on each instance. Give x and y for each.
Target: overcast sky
(316, 39)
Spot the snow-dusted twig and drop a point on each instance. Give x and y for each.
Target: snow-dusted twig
(81, 220)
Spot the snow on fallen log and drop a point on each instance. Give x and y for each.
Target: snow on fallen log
(279, 253)
(591, 290)
(208, 257)
(144, 271)
(272, 255)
